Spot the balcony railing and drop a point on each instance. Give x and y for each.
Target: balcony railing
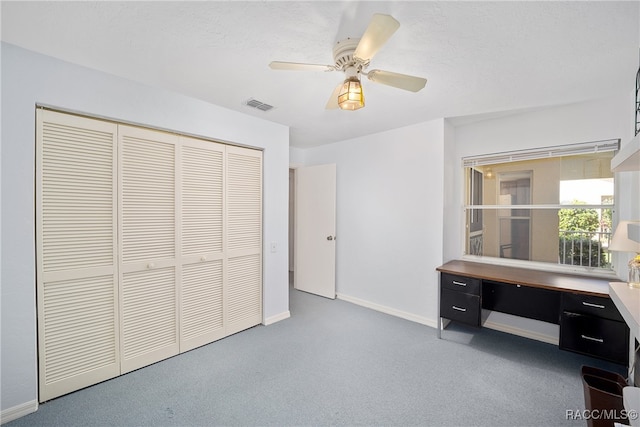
(585, 248)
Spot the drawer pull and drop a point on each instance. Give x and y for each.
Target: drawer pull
(588, 304)
(459, 308)
(459, 283)
(600, 340)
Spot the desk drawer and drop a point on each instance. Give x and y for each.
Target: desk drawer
(520, 300)
(460, 306)
(595, 336)
(460, 283)
(587, 304)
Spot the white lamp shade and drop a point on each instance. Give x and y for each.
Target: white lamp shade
(621, 241)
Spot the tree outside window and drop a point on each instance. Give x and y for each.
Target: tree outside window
(584, 236)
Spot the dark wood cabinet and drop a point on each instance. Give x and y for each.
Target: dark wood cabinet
(589, 320)
(591, 305)
(460, 299)
(593, 325)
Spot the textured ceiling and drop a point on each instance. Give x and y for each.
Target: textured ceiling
(478, 57)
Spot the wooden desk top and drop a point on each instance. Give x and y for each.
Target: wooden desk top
(523, 276)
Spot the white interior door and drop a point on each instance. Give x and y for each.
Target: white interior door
(315, 236)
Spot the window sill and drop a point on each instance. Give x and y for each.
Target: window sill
(556, 268)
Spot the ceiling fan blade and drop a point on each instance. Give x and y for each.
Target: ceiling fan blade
(401, 81)
(296, 66)
(332, 103)
(378, 32)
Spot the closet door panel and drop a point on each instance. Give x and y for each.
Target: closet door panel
(147, 194)
(76, 253)
(80, 340)
(202, 192)
(244, 200)
(149, 331)
(202, 304)
(201, 200)
(149, 273)
(244, 295)
(244, 239)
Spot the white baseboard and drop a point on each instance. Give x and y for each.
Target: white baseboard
(388, 310)
(549, 339)
(276, 318)
(18, 411)
(502, 327)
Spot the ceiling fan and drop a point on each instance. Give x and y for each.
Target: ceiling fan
(352, 56)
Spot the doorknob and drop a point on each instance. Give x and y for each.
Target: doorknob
(330, 238)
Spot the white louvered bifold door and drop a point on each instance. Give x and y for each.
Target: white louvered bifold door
(201, 196)
(244, 239)
(76, 253)
(148, 248)
(148, 244)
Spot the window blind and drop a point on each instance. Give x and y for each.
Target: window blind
(542, 153)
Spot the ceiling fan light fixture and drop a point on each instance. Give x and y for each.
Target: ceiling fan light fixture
(351, 96)
(353, 56)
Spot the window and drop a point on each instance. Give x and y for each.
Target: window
(552, 205)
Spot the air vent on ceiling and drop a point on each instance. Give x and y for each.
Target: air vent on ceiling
(259, 105)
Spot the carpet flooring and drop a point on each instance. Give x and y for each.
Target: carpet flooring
(336, 363)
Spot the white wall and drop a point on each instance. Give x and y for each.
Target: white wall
(296, 156)
(29, 78)
(389, 218)
(452, 222)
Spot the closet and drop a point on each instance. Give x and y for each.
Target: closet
(148, 244)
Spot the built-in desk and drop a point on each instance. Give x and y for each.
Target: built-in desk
(589, 321)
